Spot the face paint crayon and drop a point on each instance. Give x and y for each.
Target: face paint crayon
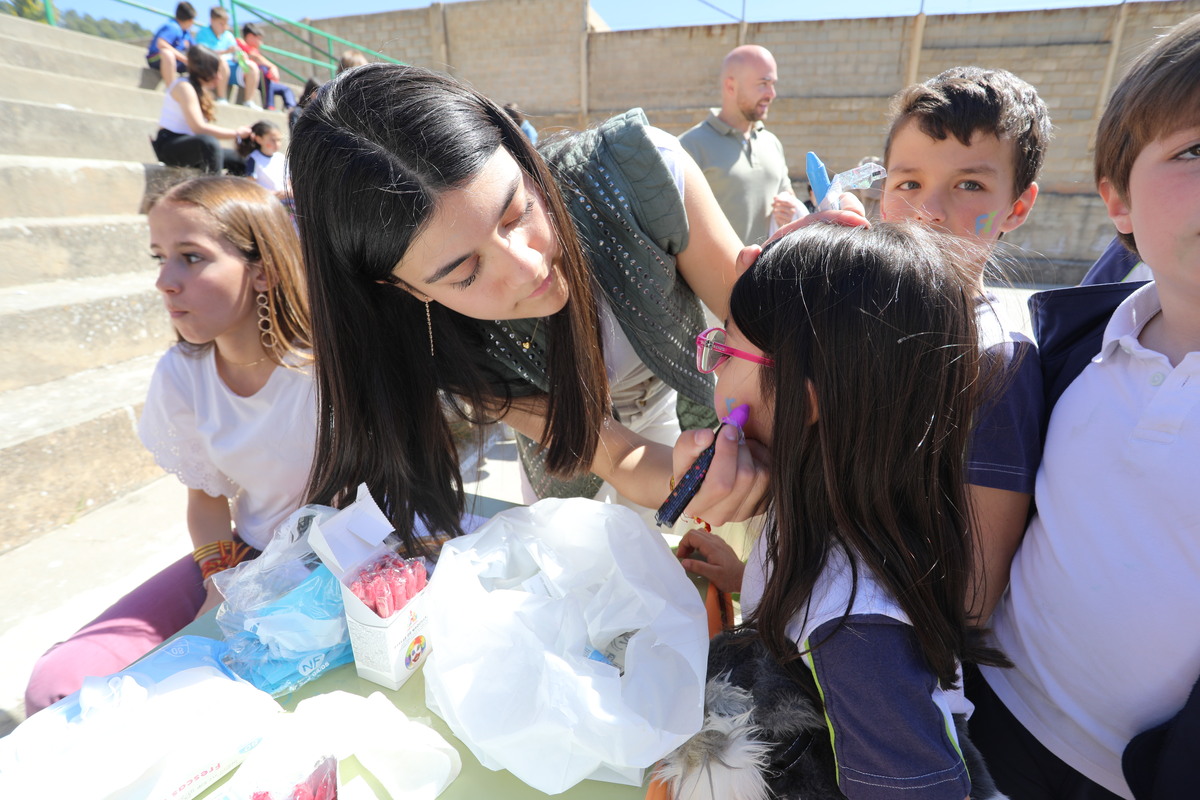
(689, 484)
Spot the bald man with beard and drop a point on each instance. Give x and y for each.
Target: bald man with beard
(742, 160)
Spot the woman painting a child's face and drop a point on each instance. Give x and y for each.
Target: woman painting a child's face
(489, 251)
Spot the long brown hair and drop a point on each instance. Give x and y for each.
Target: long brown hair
(369, 157)
(203, 65)
(879, 324)
(254, 221)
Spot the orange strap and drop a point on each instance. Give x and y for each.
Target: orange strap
(720, 610)
(657, 790)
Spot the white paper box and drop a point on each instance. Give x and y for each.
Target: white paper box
(386, 651)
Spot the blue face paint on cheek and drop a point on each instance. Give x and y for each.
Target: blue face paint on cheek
(984, 222)
(730, 402)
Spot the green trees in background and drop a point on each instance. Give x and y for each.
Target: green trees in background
(125, 31)
(108, 28)
(26, 9)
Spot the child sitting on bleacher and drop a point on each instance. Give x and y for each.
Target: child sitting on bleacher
(187, 135)
(231, 411)
(265, 162)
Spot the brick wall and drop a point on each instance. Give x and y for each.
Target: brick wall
(836, 77)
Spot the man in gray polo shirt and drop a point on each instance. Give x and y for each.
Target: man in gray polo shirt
(742, 160)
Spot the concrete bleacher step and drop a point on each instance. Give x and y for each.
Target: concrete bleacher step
(87, 94)
(38, 129)
(40, 34)
(81, 325)
(44, 186)
(51, 330)
(52, 61)
(70, 445)
(38, 250)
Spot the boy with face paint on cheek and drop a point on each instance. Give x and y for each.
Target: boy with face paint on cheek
(962, 156)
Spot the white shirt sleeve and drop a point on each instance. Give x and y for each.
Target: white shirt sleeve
(168, 426)
(670, 149)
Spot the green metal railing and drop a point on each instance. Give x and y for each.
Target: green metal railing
(326, 58)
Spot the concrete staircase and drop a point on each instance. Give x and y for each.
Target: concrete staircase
(81, 325)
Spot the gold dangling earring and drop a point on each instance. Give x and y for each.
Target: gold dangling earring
(266, 332)
(429, 325)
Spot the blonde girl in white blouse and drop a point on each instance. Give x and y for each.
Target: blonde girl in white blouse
(231, 412)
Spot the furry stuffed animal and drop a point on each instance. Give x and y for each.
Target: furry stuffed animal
(764, 736)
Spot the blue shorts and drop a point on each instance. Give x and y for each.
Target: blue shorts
(237, 75)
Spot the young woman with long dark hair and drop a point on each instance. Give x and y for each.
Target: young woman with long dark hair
(558, 291)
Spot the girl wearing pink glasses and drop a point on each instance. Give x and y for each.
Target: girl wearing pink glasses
(856, 350)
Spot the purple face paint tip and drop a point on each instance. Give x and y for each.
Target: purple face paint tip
(738, 417)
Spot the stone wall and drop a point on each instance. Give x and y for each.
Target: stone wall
(558, 61)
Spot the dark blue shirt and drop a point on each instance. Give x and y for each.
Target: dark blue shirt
(1006, 444)
(890, 739)
(173, 35)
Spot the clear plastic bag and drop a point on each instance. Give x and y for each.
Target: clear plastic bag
(283, 617)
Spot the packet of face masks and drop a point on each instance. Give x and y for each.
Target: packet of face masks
(283, 618)
(289, 642)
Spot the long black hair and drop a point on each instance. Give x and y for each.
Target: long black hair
(370, 157)
(877, 327)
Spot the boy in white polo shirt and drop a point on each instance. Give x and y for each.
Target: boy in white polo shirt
(1101, 617)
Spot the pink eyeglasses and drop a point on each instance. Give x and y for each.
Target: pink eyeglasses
(712, 352)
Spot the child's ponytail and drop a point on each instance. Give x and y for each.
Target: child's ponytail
(203, 65)
(248, 145)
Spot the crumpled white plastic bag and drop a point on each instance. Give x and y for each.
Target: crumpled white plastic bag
(411, 761)
(166, 727)
(525, 611)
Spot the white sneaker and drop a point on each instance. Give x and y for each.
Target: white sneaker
(252, 104)
(221, 101)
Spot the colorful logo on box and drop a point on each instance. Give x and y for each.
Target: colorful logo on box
(416, 649)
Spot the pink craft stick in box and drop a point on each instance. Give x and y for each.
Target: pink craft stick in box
(419, 574)
(383, 596)
(363, 591)
(401, 592)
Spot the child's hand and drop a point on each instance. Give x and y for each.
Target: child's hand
(720, 565)
(736, 482)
